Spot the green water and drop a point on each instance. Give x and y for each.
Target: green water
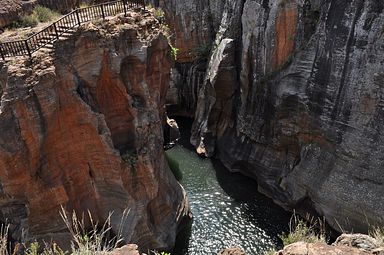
(227, 208)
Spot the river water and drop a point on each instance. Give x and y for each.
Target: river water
(227, 209)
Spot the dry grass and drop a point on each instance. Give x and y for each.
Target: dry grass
(4, 239)
(310, 231)
(96, 240)
(378, 234)
(85, 241)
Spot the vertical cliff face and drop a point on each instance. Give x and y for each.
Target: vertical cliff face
(294, 100)
(196, 26)
(82, 128)
(195, 23)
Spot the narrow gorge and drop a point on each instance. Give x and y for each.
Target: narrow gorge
(278, 102)
(291, 96)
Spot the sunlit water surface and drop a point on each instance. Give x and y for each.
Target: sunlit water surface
(227, 209)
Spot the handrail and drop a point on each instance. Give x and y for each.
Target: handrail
(71, 20)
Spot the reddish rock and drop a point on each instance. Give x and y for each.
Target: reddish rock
(286, 23)
(360, 241)
(232, 251)
(302, 248)
(130, 249)
(82, 128)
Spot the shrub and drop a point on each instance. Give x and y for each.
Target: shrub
(130, 156)
(26, 21)
(201, 52)
(159, 14)
(311, 231)
(44, 14)
(39, 14)
(33, 249)
(174, 52)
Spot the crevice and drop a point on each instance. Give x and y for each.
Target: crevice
(90, 171)
(348, 51)
(84, 93)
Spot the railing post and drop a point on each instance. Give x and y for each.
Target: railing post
(78, 17)
(28, 49)
(57, 33)
(102, 10)
(1, 52)
(125, 7)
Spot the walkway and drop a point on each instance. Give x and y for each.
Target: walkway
(62, 26)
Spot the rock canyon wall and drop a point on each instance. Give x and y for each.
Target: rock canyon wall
(81, 127)
(292, 96)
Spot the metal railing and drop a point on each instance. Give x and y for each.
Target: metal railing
(73, 19)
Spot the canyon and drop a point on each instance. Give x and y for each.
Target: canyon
(286, 92)
(290, 94)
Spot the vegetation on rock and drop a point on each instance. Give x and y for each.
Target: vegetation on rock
(310, 231)
(378, 234)
(96, 239)
(39, 14)
(201, 52)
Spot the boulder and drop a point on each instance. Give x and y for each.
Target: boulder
(360, 241)
(232, 251)
(302, 248)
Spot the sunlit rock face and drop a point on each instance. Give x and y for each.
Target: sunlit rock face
(346, 244)
(299, 108)
(81, 128)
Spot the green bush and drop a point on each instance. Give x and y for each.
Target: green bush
(26, 21)
(159, 14)
(44, 14)
(33, 249)
(39, 14)
(174, 52)
(201, 52)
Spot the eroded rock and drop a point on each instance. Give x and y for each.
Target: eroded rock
(82, 128)
(360, 241)
(302, 248)
(232, 251)
(307, 112)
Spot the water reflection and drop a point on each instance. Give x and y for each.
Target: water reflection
(227, 208)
